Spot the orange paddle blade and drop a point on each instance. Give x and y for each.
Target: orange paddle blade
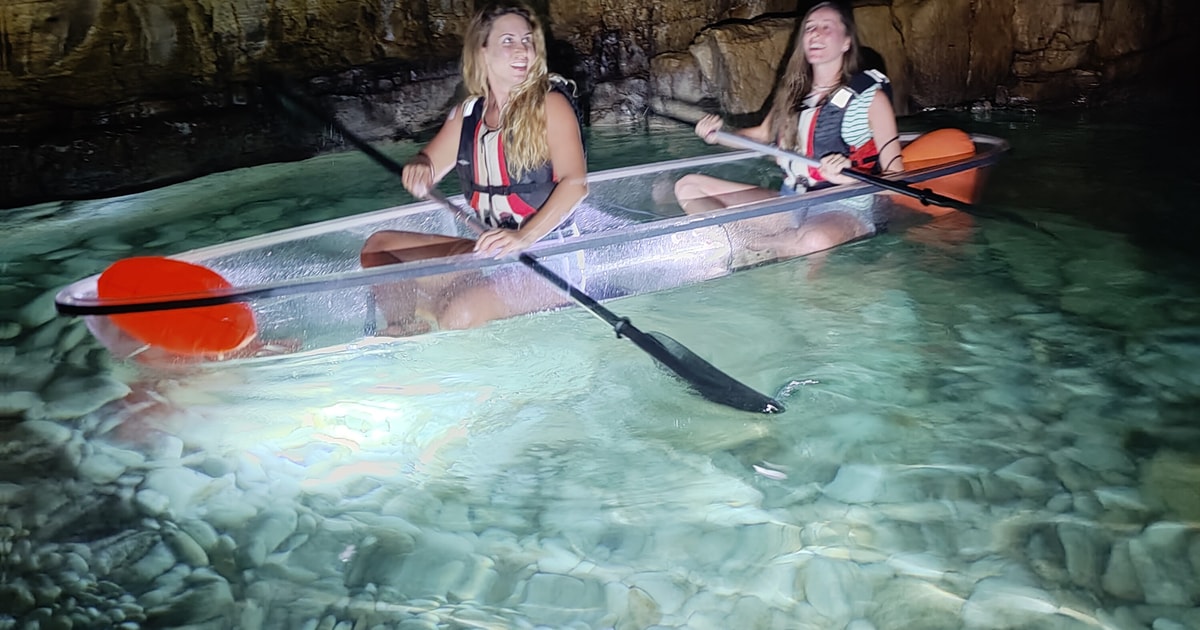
(188, 331)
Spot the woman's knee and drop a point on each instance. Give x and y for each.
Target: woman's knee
(690, 187)
(818, 240)
(681, 187)
(827, 235)
(464, 312)
(377, 250)
(381, 241)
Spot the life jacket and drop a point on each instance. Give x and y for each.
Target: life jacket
(824, 134)
(515, 199)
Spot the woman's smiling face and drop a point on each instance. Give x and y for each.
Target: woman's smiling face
(509, 51)
(824, 37)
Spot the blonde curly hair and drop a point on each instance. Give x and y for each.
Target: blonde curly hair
(523, 118)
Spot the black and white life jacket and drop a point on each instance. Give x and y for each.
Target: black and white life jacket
(824, 131)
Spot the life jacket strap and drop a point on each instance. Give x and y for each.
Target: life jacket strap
(504, 191)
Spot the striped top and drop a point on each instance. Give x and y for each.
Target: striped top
(856, 131)
(856, 128)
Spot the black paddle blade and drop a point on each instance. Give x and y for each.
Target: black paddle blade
(705, 379)
(701, 375)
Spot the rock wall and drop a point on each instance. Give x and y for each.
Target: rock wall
(954, 52)
(102, 96)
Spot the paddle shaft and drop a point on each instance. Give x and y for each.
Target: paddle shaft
(318, 116)
(620, 325)
(703, 376)
(924, 195)
(726, 138)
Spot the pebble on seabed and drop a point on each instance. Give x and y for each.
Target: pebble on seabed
(1157, 561)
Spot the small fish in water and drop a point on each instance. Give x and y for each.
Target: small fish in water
(348, 553)
(769, 473)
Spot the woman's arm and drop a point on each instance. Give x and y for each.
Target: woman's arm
(709, 125)
(570, 168)
(436, 159)
(882, 119)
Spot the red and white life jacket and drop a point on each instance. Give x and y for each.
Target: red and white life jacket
(498, 197)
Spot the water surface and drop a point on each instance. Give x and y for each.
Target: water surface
(986, 427)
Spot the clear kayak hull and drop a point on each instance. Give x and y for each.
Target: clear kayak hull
(308, 291)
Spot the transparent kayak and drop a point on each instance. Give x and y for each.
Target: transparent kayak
(308, 292)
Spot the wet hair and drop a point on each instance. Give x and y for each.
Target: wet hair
(797, 79)
(523, 118)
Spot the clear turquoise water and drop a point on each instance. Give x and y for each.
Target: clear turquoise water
(986, 428)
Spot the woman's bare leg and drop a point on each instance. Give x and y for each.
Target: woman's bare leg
(753, 245)
(822, 232)
(754, 241)
(517, 292)
(701, 193)
(768, 238)
(389, 247)
(403, 302)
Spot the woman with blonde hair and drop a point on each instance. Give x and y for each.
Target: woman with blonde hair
(520, 184)
(825, 107)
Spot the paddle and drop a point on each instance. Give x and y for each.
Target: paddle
(702, 376)
(924, 195)
(212, 329)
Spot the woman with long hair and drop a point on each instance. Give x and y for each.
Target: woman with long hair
(825, 107)
(520, 184)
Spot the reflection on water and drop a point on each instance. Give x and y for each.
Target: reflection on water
(986, 429)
